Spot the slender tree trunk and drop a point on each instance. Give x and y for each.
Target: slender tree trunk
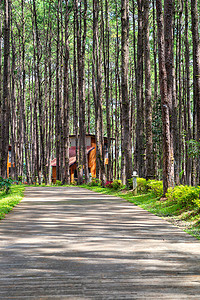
(196, 68)
(148, 105)
(107, 87)
(13, 110)
(23, 98)
(187, 65)
(139, 95)
(168, 179)
(36, 163)
(62, 117)
(58, 117)
(88, 110)
(118, 98)
(180, 95)
(97, 94)
(6, 96)
(116, 173)
(127, 149)
(74, 92)
(41, 129)
(66, 101)
(1, 115)
(169, 61)
(85, 157)
(81, 91)
(49, 129)
(156, 154)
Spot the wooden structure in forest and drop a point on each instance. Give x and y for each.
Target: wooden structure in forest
(91, 152)
(9, 162)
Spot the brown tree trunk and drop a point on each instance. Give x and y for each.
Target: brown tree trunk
(106, 43)
(58, 116)
(127, 149)
(118, 99)
(83, 163)
(88, 100)
(66, 101)
(23, 98)
(41, 129)
(187, 65)
(168, 179)
(97, 94)
(13, 110)
(6, 97)
(49, 128)
(156, 148)
(148, 105)
(139, 94)
(169, 61)
(196, 68)
(1, 116)
(180, 95)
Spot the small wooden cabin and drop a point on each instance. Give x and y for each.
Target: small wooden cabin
(91, 152)
(9, 161)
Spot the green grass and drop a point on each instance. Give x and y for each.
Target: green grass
(8, 201)
(188, 218)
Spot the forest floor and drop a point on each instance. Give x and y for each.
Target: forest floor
(72, 243)
(188, 219)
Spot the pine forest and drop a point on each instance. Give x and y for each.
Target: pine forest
(125, 72)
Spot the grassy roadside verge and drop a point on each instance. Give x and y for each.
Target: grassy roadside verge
(8, 201)
(187, 218)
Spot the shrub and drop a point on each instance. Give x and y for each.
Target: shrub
(73, 182)
(109, 184)
(5, 184)
(117, 184)
(95, 182)
(142, 186)
(20, 178)
(58, 183)
(197, 203)
(130, 182)
(155, 186)
(185, 195)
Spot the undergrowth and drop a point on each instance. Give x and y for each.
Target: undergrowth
(9, 200)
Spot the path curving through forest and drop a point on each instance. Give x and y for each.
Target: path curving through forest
(72, 243)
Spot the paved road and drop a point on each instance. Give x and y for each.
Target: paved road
(71, 243)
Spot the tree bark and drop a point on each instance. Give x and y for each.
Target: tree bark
(187, 65)
(97, 94)
(196, 68)
(66, 179)
(168, 179)
(1, 116)
(83, 162)
(107, 87)
(169, 61)
(6, 96)
(127, 149)
(148, 105)
(41, 129)
(23, 98)
(139, 96)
